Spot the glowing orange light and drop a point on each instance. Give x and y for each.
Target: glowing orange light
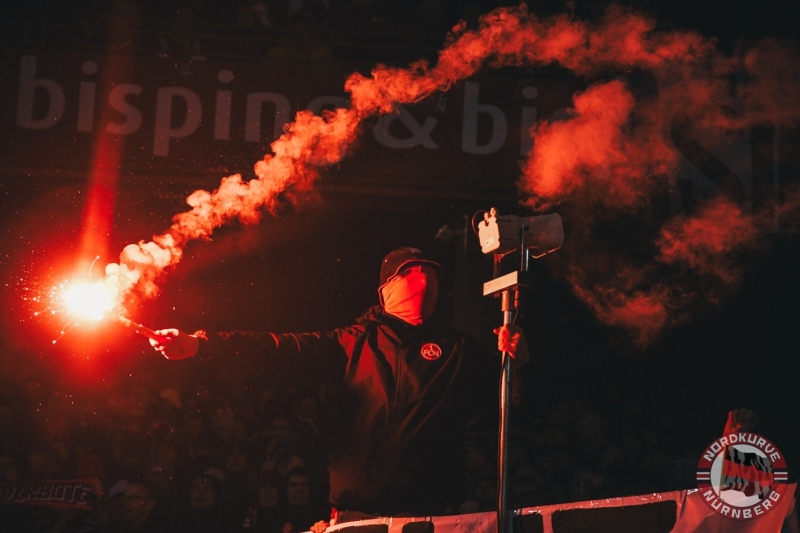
(89, 300)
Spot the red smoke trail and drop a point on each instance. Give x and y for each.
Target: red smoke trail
(613, 151)
(507, 36)
(512, 36)
(309, 143)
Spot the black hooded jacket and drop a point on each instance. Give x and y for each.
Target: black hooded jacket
(407, 393)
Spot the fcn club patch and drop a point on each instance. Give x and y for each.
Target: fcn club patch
(430, 351)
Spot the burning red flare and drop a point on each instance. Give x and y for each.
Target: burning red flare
(93, 301)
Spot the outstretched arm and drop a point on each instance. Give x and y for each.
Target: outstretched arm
(313, 356)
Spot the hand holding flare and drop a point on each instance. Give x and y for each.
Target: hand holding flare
(174, 344)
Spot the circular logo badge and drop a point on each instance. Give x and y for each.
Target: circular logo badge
(742, 476)
(430, 351)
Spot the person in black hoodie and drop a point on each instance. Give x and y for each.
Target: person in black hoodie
(409, 383)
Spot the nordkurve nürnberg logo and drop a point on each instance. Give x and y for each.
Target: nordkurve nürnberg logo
(742, 476)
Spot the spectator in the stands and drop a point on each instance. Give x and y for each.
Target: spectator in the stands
(141, 510)
(115, 508)
(241, 480)
(287, 460)
(300, 510)
(265, 515)
(206, 511)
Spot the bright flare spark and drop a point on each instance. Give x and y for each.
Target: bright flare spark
(89, 300)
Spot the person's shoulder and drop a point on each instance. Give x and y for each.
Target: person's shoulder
(346, 335)
(376, 318)
(372, 314)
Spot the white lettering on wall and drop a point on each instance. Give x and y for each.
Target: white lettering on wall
(43, 102)
(28, 85)
(164, 131)
(255, 104)
(420, 133)
(529, 117)
(118, 102)
(469, 135)
(222, 116)
(86, 99)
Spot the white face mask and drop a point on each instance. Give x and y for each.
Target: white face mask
(411, 295)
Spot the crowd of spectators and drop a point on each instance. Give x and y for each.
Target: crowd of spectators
(217, 450)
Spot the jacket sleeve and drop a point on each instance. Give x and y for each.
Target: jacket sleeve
(317, 356)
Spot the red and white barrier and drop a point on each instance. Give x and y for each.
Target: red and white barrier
(666, 512)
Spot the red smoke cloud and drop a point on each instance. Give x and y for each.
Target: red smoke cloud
(612, 151)
(615, 152)
(309, 143)
(706, 243)
(595, 151)
(512, 36)
(696, 260)
(646, 309)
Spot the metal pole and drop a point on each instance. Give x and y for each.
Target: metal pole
(553, 238)
(502, 444)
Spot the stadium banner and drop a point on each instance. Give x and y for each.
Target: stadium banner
(667, 512)
(217, 118)
(157, 121)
